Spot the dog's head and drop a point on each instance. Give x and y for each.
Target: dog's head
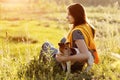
(64, 47)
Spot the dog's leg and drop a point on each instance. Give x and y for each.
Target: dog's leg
(68, 66)
(90, 62)
(88, 67)
(63, 66)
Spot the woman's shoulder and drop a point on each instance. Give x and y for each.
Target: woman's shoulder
(77, 34)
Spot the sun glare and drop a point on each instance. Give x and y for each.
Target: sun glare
(13, 1)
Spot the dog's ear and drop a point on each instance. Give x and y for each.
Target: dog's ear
(68, 43)
(60, 44)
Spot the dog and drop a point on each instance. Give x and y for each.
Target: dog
(65, 49)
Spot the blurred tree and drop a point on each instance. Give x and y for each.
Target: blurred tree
(88, 2)
(97, 2)
(33, 1)
(63, 1)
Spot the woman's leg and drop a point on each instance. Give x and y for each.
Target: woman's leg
(48, 48)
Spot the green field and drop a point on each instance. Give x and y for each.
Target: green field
(21, 38)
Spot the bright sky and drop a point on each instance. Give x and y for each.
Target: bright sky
(13, 1)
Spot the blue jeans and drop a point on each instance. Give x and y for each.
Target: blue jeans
(48, 48)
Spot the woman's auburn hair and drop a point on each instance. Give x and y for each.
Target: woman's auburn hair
(77, 11)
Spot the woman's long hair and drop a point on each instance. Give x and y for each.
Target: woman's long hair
(78, 13)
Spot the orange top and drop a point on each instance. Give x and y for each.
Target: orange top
(88, 36)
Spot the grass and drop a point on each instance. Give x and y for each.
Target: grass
(20, 59)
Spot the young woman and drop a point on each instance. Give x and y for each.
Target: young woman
(80, 36)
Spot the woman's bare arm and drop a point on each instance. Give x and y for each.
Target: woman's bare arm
(84, 53)
(78, 57)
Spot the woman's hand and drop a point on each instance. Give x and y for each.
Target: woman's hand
(60, 58)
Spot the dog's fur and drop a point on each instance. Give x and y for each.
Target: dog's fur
(67, 51)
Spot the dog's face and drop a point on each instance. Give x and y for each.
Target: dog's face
(64, 48)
